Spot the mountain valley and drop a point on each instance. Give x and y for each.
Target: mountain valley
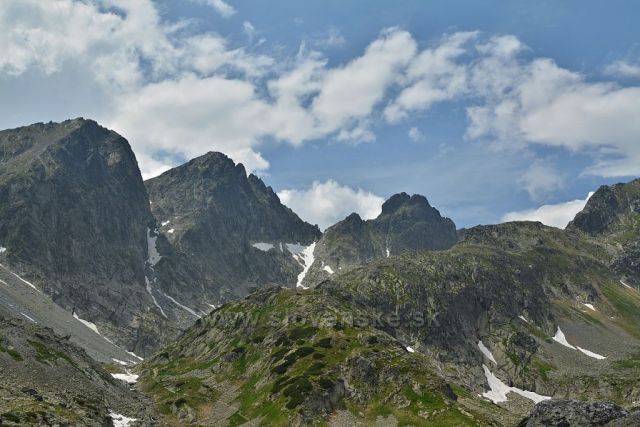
(198, 298)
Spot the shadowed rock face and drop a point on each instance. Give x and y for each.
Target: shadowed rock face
(406, 223)
(568, 413)
(73, 201)
(612, 215)
(610, 211)
(74, 215)
(212, 214)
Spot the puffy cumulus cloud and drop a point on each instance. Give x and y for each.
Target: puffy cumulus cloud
(543, 104)
(175, 91)
(326, 203)
(189, 115)
(351, 92)
(124, 42)
(432, 76)
(558, 215)
(516, 102)
(171, 87)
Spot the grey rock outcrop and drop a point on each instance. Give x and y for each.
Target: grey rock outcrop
(74, 216)
(406, 223)
(224, 233)
(575, 413)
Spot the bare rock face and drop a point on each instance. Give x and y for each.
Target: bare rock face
(612, 215)
(406, 224)
(224, 231)
(570, 413)
(47, 380)
(611, 210)
(74, 216)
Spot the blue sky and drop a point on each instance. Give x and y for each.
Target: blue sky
(491, 109)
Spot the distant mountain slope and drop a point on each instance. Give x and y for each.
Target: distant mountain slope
(612, 216)
(296, 357)
(611, 211)
(19, 300)
(514, 313)
(223, 233)
(407, 223)
(47, 380)
(74, 219)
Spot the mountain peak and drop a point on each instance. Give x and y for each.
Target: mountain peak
(399, 200)
(394, 202)
(612, 210)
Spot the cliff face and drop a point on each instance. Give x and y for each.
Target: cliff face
(612, 216)
(225, 233)
(406, 224)
(74, 216)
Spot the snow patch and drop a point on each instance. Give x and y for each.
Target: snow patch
(524, 319)
(153, 256)
(264, 247)
(86, 323)
(2, 249)
(625, 285)
(128, 377)
(590, 306)
(388, 253)
(171, 231)
(120, 420)
(184, 307)
(153, 298)
(135, 355)
(486, 352)
(28, 317)
(165, 223)
(561, 339)
(410, 349)
(591, 353)
(20, 278)
(120, 362)
(498, 390)
(213, 306)
(328, 269)
(306, 259)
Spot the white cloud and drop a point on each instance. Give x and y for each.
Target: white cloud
(415, 134)
(326, 203)
(190, 115)
(541, 179)
(224, 9)
(558, 215)
(623, 69)
(171, 87)
(432, 76)
(249, 30)
(351, 92)
(541, 103)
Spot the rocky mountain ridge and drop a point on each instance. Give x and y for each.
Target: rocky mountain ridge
(514, 314)
(407, 321)
(223, 230)
(406, 224)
